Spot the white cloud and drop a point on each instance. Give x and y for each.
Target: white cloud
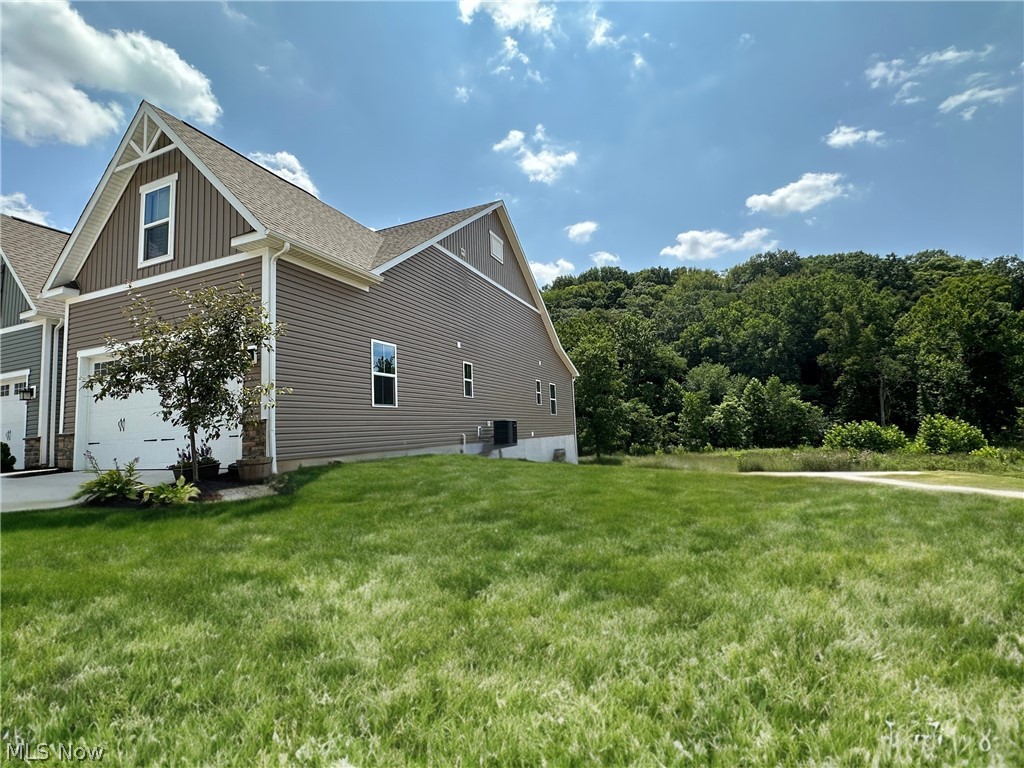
(545, 163)
(532, 74)
(952, 56)
(599, 29)
(261, 68)
(701, 245)
(533, 15)
(639, 62)
(53, 63)
(582, 231)
(234, 14)
(746, 40)
(546, 273)
(17, 204)
(977, 94)
(514, 141)
(903, 95)
(605, 259)
(810, 191)
(510, 55)
(288, 167)
(888, 73)
(968, 114)
(462, 93)
(845, 136)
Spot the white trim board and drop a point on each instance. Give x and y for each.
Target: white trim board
(195, 269)
(20, 327)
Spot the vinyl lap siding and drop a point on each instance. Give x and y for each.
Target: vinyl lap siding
(89, 322)
(475, 238)
(13, 301)
(204, 224)
(20, 350)
(425, 306)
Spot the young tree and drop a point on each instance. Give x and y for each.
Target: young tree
(193, 359)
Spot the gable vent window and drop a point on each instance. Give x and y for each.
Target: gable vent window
(467, 379)
(497, 248)
(385, 374)
(156, 224)
(553, 399)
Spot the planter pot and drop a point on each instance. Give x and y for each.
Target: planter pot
(254, 470)
(206, 472)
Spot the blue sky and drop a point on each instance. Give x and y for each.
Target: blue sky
(636, 134)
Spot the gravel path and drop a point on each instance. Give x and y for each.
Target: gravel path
(885, 478)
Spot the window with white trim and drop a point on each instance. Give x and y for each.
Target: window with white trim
(156, 221)
(5, 390)
(467, 379)
(384, 363)
(553, 399)
(497, 248)
(539, 400)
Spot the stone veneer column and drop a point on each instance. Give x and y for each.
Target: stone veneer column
(66, 450)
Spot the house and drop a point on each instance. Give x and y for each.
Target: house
(426, 337)
(31, 341)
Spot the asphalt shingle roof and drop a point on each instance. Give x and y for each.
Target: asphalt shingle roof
(32, 250)
(400, 238)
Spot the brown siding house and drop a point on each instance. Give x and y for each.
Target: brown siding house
(426, 337)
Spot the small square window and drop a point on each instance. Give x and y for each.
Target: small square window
(467, 379)
(20, 387)
(5, 390)
(497, 248)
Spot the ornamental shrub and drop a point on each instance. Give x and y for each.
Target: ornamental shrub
(112, 485)
(865, 436)
(7, 461)
(941, 434)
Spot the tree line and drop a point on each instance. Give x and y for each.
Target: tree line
(774, 350)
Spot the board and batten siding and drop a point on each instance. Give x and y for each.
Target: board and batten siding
(89, 322)
(426, 306)
(19, 350)
(475, 239)
(13, 301)
(204, 224)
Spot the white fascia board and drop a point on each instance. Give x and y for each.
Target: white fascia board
(18, 327)
(361, 277)
(63, 292)
(58, 267)
(17, 280)
(238, 241)
(531, 283)
(433, 241)
(38, 314)
(16, 376)
(217, 183)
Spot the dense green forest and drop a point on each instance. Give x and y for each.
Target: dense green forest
(774, 350)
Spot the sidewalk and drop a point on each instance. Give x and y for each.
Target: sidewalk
(29, 490)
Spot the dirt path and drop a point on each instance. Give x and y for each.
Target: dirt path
(885, 478)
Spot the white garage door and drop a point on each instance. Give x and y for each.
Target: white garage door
(126, 429)
(12, 421)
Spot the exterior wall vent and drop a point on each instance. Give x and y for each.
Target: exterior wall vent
(506, 432)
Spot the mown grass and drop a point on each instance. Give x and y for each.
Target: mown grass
(462, 611)
(966, 479)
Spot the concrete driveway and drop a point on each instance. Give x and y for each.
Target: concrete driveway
(22, 491)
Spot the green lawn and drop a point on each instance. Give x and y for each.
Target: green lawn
(968, 479)
(462, 611)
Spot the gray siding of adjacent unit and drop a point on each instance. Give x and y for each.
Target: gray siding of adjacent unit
(13, 301)
(475, 238)
(89, 322)
(204, 224)
(20, 350)
(426, 306)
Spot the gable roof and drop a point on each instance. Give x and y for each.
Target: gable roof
(31, 249)
(405, 237)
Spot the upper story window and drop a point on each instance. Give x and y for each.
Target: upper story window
(497, 248)
(467, 379)
(156, 224)
(384, 363)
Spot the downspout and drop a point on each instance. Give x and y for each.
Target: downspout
(271, 357)
(54, 395)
